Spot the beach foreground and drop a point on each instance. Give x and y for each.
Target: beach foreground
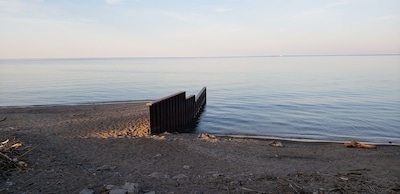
(70, 148)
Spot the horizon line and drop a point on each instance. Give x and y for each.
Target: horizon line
(227, 56)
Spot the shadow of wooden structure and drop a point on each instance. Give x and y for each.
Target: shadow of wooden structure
(176, 113)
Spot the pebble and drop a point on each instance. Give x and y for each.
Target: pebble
(106, 168)
(111, 187)
(118, 191)
(132, 188)
(180, 177)
(159, 175)
(157, 156)
(86, 191)
(218, 175)
(187, 167)
(127, 188)
(22, 164)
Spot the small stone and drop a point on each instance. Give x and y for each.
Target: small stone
(132, 188)
(157, 156)
(187, 167)
(106, 168)
(180, 177)
(218, 175)
(159, 175)
(234, 183)
(150, 192)
(111, 187)
(86, 191)
(22, 164)
(118, 191)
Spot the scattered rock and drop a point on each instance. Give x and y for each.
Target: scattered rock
(132, 188)
(106, 168)
(150, 192)
(111, 187)
(86, 191)
(218, 175)
(159, 175)
(128, 188)
(157, 156)
(180, 177)
(118, 191)
(187, 167)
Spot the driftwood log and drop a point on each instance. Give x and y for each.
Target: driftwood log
(5, 118)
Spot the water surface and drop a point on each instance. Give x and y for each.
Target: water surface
(333, 98)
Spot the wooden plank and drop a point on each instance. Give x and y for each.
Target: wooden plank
(200, 101)
(166, 97)
(190, 103)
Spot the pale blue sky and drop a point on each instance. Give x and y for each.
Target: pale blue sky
(175, 28)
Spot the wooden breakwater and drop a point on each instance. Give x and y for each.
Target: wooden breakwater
(176, 113)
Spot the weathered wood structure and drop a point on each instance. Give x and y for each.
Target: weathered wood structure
(176, 113)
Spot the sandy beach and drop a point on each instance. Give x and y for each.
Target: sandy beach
(71, 148)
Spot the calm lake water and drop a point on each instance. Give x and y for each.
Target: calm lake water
(330, 98)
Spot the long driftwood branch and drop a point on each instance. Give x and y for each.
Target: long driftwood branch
(5, 118)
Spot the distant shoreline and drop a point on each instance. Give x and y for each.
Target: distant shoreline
(191, 57)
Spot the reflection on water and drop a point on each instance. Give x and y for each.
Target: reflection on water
(330, 98)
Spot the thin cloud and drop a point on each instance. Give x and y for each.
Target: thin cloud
(388, 17)
(322, 10)
(13, 6)
(30, 9)
(333, 5)
(113, 2)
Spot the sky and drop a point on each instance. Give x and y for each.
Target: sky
(197, 28)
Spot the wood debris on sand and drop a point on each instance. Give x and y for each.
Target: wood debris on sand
(9, 156)
(354, 144)
(275, 143)
(5, 118)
